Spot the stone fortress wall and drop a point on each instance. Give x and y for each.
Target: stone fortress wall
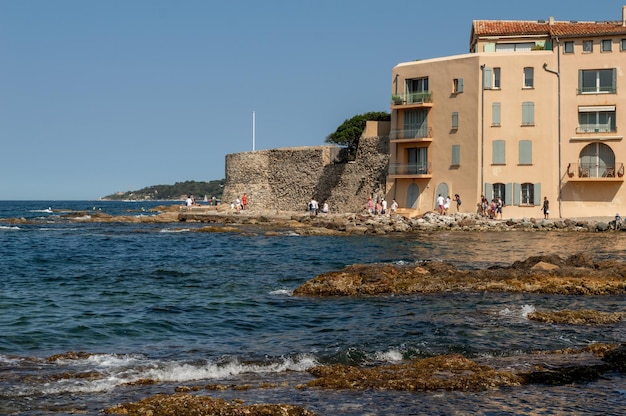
(286, 179)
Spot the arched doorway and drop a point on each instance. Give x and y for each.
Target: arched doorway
(442, 189)
(411, 196)
(597, 160)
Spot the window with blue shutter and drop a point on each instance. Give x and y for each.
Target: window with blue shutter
(495, 114)
(456, 154)
(525, 152)
(455, 120)
(528, 113)
(498, 154)
(487, 78)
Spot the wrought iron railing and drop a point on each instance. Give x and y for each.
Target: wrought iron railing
(588, 128)
(416, 133)
(611, 89)
(594, 170)
(410, 168)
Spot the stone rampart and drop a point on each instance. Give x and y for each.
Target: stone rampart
(286, 179)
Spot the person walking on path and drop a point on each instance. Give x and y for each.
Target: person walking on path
(545, 207)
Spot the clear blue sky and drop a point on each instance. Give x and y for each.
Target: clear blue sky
(104, 96)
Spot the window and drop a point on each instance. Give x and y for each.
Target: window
(417, 90)
(606, 45)
(587, 46)
(525, 152)
(528, 77)
(528, 194)
(622, 45)
(528, 113)
(596, 81)
(416, 124)
(495, 114)
(417, 160)
(499, 191)
(496, 78)
(568, 46)
(515, 47)
(596, 160)
(455, 120)
(596, 119)
(498, 152)
(457, 85)
(456, 155)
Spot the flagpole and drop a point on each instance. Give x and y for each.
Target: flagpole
(253, 129)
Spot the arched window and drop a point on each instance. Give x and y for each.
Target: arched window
(597, 160)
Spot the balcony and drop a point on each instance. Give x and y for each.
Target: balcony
(593, 129)
(412, 99)
(586, 172)
(410, 170)
(422, 134)
(608, 89)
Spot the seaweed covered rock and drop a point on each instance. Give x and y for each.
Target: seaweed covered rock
(576, 275)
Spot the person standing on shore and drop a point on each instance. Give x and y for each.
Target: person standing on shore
(457, 198)
(545, 207)
(440, 203)
(394, 206)
(244, 201)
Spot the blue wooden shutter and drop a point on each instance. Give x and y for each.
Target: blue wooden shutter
(487, 78)
(580, 81)
(459, 85)
(537, 200)
(455, 120)
(488, 191)
(614, 85)
(525, 152)
(495, 114)
(528, 113)
(508, 193)
(517, 193)
(498, 152)
(456, 154)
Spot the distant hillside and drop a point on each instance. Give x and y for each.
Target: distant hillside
(173, 192)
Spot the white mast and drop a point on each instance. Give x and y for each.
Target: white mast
(253, 128)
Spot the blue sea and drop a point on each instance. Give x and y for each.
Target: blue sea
(87, 310)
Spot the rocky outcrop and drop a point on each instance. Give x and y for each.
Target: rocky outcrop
(567, 277)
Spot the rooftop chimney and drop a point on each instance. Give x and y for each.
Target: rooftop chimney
(551, 20)
(624, 16)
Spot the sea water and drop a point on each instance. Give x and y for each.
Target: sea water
(125, 302)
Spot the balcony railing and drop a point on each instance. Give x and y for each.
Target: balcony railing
(409, 134)
(412, 98)
(593, 170)
(409, 169)
(611, 89)
(587, 128)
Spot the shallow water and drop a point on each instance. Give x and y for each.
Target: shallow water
(160, 301)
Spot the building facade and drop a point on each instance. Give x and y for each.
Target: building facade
(535, 109)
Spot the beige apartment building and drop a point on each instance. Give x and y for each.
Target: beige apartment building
(535, 109)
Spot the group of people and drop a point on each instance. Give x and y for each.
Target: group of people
(491, 209)
(240, 204)
(314, 207)
(443, 204)
(380, 206)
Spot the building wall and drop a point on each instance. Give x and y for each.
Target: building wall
(286, 179)
(554, 139)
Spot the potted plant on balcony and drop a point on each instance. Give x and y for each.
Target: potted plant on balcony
(397, 99)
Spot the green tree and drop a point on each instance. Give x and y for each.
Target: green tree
(349, 133)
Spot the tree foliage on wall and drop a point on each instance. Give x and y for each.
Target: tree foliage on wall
(349, 132)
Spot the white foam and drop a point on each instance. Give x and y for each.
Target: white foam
(392, 356)
(282, 292)
(175, 230)
(526, 309)
(6, 227)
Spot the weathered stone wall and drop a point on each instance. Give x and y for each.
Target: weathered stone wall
(286, 179)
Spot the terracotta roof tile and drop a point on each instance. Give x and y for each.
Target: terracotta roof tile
(482, 28)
